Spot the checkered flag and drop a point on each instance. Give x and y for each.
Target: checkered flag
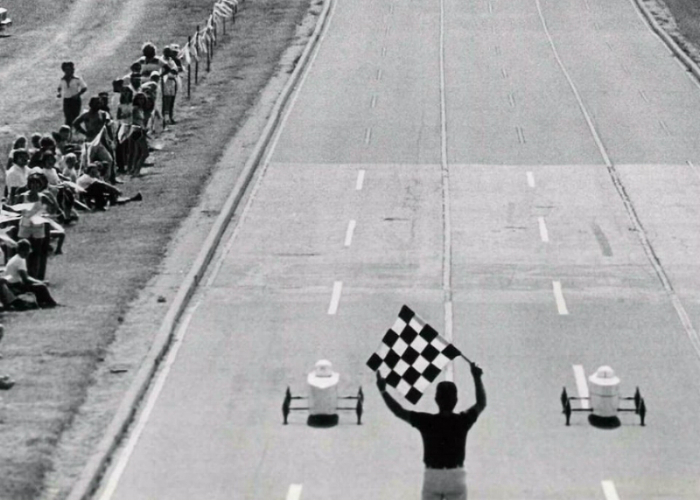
(411, 355)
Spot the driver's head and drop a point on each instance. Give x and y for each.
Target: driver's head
(446, 396)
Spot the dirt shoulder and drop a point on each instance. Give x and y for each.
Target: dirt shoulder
(122, 267)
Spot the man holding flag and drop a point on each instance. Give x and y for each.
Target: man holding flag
(412, 347)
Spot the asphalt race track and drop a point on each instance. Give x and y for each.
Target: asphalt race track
(525, 174)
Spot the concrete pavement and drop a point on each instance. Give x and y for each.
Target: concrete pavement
(548, 270)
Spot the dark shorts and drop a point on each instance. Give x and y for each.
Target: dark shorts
(71, 109)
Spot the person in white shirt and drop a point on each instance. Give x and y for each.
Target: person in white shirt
(19, 281)
(16, 178)
(70, 88)
(48, 168)
(70, 171)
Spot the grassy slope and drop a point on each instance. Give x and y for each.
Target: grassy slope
(681, 20)
(52, 354)
(687, 16)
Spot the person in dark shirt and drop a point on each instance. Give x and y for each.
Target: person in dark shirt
(444, 436)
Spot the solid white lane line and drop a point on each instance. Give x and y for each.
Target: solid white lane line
(446, 219)
(559, 297)
(349, 233)
(112, 481)
(294, 492)
(530, 179)
(335, 297)
(360, 180)
(581, 385)
(544, 235)
(368, 135)
(609, 490)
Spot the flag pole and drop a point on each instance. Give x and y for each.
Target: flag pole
(466, 358)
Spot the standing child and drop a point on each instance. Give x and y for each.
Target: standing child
(70, 88)
(170, 88)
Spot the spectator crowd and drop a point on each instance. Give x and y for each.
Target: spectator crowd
(50, 180)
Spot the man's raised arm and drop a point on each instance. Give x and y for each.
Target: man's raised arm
(391, 403)
(477, 373)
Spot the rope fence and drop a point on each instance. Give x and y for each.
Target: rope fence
(201, 45)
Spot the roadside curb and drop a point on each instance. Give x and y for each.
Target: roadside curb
(668, 40)
(119, 426)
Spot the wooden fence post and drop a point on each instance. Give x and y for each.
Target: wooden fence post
(196, 63)
(189, 69)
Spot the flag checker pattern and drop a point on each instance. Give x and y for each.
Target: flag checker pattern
(411, 355)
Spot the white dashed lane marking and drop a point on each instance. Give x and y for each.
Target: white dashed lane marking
(694, 168)
(609, 490)
(559, 298)
(349, 232)
(360, 180)
(530, 180)
(335, 297)
(294, 492)
(581, 385)
(544, 234)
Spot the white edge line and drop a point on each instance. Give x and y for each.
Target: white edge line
(349, 232)
(581, 385)
(294, 492)
(142, 419)
(360, 180)
(609, 490)
(335, 298)
(544, 234)
(559, 297)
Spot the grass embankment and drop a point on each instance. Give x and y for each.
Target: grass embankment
(681, 20)
(109, 256)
